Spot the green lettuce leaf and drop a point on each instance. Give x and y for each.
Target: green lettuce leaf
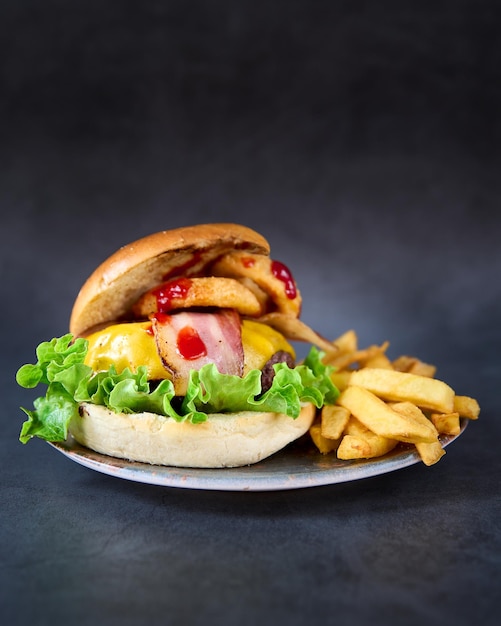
(69, 382)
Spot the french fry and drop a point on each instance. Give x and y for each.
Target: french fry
(446, 423)
(404, 363)
(342, 360)
(361, 443)
(376, 415)
(412, 412)
(430, 453)
(347, 342)
(428, 393)
(372, 353)
(423, 369)
(341, 379)
(466, 407)
(333, 420)
(383, 402)
(379, 360)
(323, 444)
(414, 365)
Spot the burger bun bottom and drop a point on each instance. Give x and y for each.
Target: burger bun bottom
(224, 440)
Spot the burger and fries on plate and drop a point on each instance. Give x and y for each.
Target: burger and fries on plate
(180, 353)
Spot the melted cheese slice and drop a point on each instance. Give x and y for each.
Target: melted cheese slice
(125, 345)
(130, 345)
(260, 344)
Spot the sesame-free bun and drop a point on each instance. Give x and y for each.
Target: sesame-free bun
(230, 440)
(114, 286)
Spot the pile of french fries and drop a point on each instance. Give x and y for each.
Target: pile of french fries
(384, 403)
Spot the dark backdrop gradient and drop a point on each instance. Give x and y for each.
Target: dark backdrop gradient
(362, 139)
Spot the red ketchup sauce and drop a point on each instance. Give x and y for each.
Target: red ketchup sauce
(248, 261)
(161, 318)
(282, 272)
(183, 269)
(189, 344)
(171, 290)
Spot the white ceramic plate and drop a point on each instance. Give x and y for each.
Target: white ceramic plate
(297, 466)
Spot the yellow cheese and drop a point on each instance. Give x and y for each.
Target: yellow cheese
(260, 342)
(125, 345)
(133, 344)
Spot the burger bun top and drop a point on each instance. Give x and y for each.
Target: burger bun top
(111, 290)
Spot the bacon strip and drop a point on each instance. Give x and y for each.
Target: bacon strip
(219, 336)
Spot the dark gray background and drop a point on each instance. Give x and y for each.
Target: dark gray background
(363, 140)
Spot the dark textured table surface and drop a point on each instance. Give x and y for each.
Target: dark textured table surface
(363, 140)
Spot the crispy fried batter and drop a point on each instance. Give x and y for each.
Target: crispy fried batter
(258, 268)
(198, 292)
(296, 330)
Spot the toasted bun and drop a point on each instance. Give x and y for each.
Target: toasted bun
(114, 286)
(222, 441)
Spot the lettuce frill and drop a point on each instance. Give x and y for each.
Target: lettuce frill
(69, 382)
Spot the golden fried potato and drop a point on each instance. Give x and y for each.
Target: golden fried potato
(379, 360)
(466, 407)
(333, 419)
(342, 360)
(430, 453)
(341, 379)
(347, 342)
(413, 365)
(388, 401)
(359, 442)
(446, 423)
(428, 393)
(323, 444)
(381, 419)
(412, 412)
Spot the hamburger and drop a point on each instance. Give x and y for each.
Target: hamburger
(180, 353)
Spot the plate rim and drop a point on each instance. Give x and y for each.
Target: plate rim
(270, 474)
